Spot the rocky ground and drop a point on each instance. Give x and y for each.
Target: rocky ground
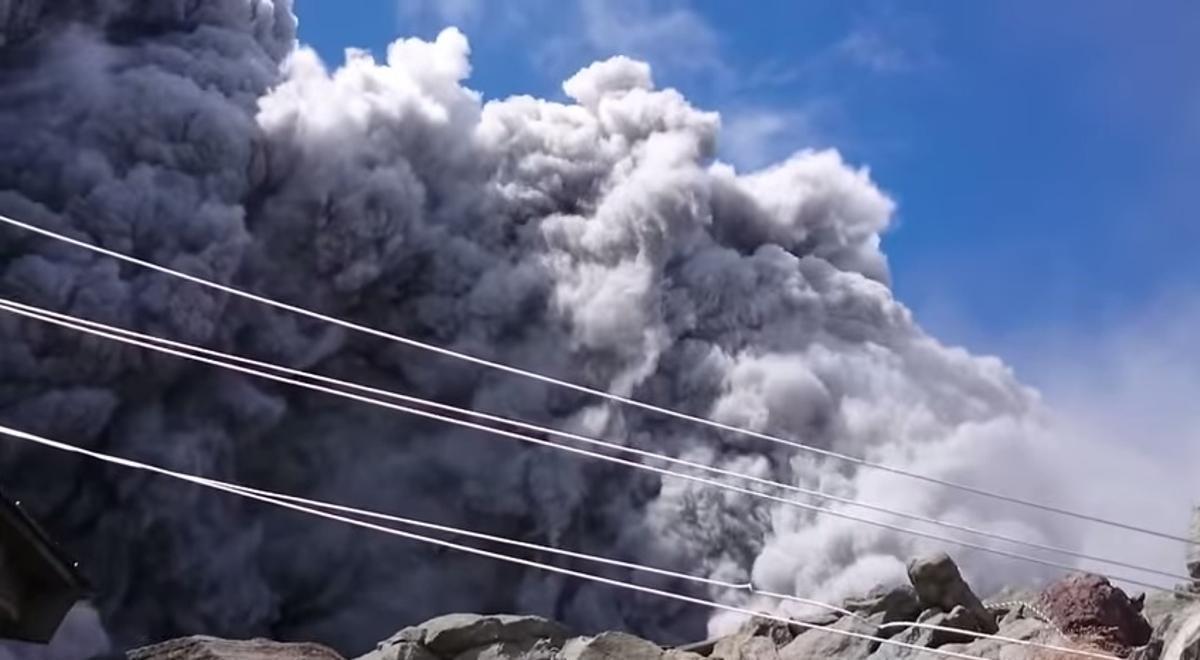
(1082, 612)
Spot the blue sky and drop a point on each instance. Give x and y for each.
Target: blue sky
(1045, 156)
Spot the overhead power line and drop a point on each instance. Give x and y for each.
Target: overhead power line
(580, 388)
(574, 450)
(317, 508)
(79, 323)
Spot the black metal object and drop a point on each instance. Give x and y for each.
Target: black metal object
(38, 583)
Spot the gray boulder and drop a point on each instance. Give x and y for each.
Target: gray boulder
(1163, 608)
(1181, 635)
(702, 649)
(399, 650)
(474, 637)
(757, 639)
(916, 638)
(211, 648)
(1028, 629)
(940, 585)
(928, 637)
(754, 648)
(611, 646)
(824, 644)
(537, 649)
(1014, 603)
(452, 634)
(894, 605)
(957, 618)
(779, 633)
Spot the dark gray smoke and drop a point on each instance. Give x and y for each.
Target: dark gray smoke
(596, 241)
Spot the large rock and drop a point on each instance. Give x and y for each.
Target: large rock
(820, 643)
(958, 618)
(940, 585)
(211, 648)
(914, 637)
(927, 637)
(702, 649)
(1087, 607)
(1180, 635)
(780, 633)
(474, 637)
(1027, 629)
(611, 646)
(538, 649)
(894, 604)
(454, 634)
(757, 639)
(399, 650)
(753, 648)
(1163, 608)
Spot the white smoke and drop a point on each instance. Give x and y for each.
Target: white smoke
(596, 240)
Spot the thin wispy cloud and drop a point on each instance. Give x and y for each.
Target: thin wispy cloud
(888, 42)
(755, 136)
(452, 12)
(481, 20)
(677, 41)
(674, 37)
(872, 50)
(747, 137)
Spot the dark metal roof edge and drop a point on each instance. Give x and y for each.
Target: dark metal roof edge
(45, 545)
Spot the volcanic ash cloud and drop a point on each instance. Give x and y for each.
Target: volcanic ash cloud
(595, 240)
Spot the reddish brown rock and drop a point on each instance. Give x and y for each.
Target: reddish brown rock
(1087, 608)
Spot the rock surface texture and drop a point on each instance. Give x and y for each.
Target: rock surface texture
(939, 611)
(940, 586)
(211, 648)
(1088, 607)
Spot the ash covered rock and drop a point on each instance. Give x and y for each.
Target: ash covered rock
(1176, 624)
(825, 644)
(474, 637)
(500, 637)
(1027, 630)
(757, 638)
(611, 646)
(888, 606)
(940, 585)
(939, 612)
(211, 648)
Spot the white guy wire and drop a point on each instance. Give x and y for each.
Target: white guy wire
(288, 502)
(747, 586)
(575, 450)
(580, 388)
(73, 321)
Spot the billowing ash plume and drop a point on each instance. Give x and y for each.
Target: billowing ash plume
(595, 240)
